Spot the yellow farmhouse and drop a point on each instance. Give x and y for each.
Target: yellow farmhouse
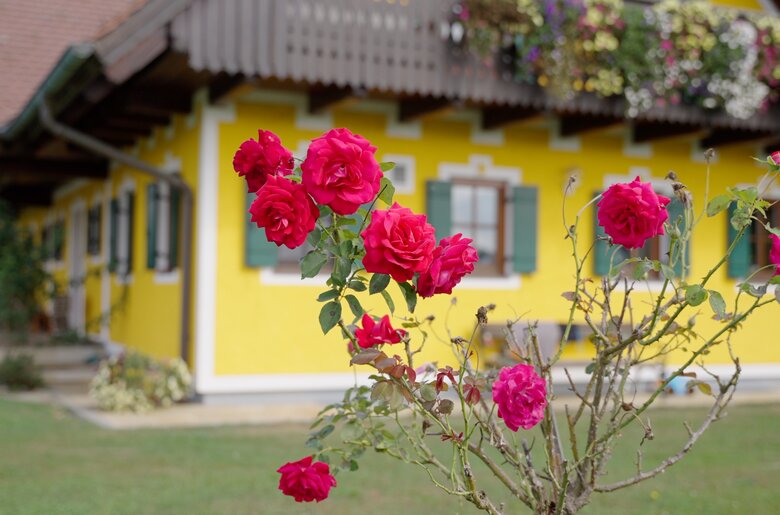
(121, 164)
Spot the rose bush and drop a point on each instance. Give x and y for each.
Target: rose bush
(258, 160)
(285, 210)
(404, 406)
(632, 213)
(398, 242)
(340, 171)
(306, 481)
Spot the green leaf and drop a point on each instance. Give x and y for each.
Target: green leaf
(329, 316)
(388, 300)
(590, 368)
(428, 392)
(386, 167)
(386, 191)
(378, 283)
(773, 230)
(357, 285)
(341, 269)
(718, 204)
(703, 387)
(717, 303)
(354, 306)
(754, 291)
(695, 294)
(668, 272)
(410, 295)
(314, 237)
(353, 465)
(365, 356)
(327, 295)
(312, 263)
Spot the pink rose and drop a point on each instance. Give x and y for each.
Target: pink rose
(774, 253)
(452, 260)
(521, 396)
(285, 210)
(398, 242)
(306, 481)
(632, 213)
(340, 171)
(373, 333)
(257, 160)
(775, 157)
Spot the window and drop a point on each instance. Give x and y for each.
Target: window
(122, 227)
(53, 240)
(94, 219)
(501, 220)
(402, 174)
(162, 227)
(751, 252)
(477, 212)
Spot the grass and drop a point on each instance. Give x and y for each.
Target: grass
(52, 463)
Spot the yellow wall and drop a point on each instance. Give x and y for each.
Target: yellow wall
(273, 329)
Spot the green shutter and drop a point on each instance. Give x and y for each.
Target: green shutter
(604, 254)
(59, 240)
(130, 230)
(152, 193)
(259, 251)
(742, 256)
(113, 230)
(439, 207)
(677, 216)
(525, 202)
(173, 245)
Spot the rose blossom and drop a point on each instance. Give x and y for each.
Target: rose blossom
(774, 253)
(631, 213)
(285, 210)
(373, 333)
(257, 160)
(306, 481)
(775, 157)
(340, 171)
(521, 396)
(398, 242)
(452, 260)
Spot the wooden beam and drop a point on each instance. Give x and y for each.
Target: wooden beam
(413, 108)
(158, 100)
(645, 132)
(574, 125)
(496, 117)
(134, 127)
(29, 195)
(720, 137)
(325, 97)
(222, 84)
(58, 168)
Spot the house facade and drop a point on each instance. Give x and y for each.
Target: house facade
(179, 85)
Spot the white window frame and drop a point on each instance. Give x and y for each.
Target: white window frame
(407, 186)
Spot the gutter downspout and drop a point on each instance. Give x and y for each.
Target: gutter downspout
(175, 181)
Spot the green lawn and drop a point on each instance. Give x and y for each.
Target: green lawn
(52, 463)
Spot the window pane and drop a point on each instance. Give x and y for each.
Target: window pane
(466, 231)
(462, 204)
(487, 205)
(486, 242)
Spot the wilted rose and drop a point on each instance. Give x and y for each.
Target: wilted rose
(453, 259)
(521, 396)
(631, 213)
(398, 242)
(258, 160)
(373, 333)
(340, 171)
(285, 210)
(306, 481)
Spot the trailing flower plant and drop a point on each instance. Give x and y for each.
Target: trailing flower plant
(673, 52)
(494, 422)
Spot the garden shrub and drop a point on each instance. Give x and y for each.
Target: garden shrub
(18, 371)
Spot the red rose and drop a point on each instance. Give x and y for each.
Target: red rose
(774, 253)
(257, 160)
(452, 260)
(306, 481)
(521, 396)
(775, 157)
(398, 242)
(340, 171)
(285, 210)
(632, 213)
(376, 334)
